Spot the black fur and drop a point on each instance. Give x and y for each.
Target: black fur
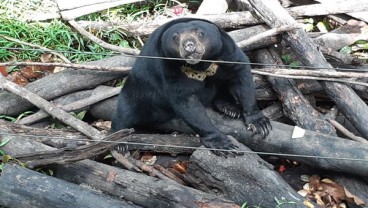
(157, 90)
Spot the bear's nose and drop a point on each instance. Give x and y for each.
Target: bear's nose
(189, 46)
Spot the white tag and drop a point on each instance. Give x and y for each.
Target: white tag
(298, 132)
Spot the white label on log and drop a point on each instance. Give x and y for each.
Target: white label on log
(298, 132)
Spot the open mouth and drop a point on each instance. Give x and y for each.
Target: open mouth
(194, 58)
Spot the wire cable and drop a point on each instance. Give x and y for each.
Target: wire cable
(194, 148)
(181, 59)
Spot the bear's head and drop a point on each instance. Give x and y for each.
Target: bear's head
(194, 40)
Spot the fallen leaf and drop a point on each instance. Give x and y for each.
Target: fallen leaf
(148, 158)
(352, 198)
(179, 168)
(46, 57)
(18, 78)
(31, 72)
(3, 71)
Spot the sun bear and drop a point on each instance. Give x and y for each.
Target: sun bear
(159, 89)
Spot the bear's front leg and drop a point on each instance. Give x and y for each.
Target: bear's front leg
(242, 89)
(191, 110)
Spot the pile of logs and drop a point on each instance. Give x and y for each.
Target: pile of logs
(209, 181)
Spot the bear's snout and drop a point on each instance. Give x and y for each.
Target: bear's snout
(189, 46)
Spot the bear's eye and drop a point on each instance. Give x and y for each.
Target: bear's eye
(176, 37)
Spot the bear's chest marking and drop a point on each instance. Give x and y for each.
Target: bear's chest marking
(199, 75)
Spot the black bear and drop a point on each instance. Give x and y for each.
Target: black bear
(161, 89)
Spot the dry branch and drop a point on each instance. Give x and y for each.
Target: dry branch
(24, 188)
(300, 73)
(347, 100)
(295, 105)
(61, 83)
(72, 9)
(50, 108)
(100, 42)
(61, 56)
(264, 35)
(137, 188)
(67, 155)
(73, 106)
(330, 7)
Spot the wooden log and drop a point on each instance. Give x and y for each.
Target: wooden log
(280, 141)
(21, 187)
(72, 9)
(347, 100)
(235, 177)
(343, 36)
(212, 7)
(76, 104)
(57, 138)
(329, 7)
(49, 87)
(225, 20)
(295, 105)
(244, 34)
(140, 189)
(359, 15)
(67, 155)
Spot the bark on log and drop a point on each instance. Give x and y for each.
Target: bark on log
(72, 9)
(212, 7)
(71, 80)
(243, 34)
(295, 105)
(349, 103)
(330, 7)
(21, 187)
(140, 189)
(242, 174)
(359, 15)
(57, 138)
(280, 141)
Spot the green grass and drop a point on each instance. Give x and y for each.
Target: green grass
(54, 35)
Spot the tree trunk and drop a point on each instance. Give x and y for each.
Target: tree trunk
(348, 101)
(24, 188)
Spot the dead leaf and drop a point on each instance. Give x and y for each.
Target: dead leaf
(352, 198)
(148, 158)
(328, 193)
(46, 57)
(4, 71)
(18, 78)
(31, 72)
(102, 125)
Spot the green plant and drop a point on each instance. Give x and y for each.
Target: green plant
(3, 143)
(288, 60)
(6, 158)
(8, 118)
(281, 202)
(54, 35)
(79, 115)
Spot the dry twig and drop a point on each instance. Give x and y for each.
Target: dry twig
(100, 42)
(72, 106)
(61, 56)
(51, 109)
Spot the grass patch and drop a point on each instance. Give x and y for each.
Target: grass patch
(54, 35)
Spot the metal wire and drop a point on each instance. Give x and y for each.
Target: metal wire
(193, 148)
(177, 146)
(182, 59)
